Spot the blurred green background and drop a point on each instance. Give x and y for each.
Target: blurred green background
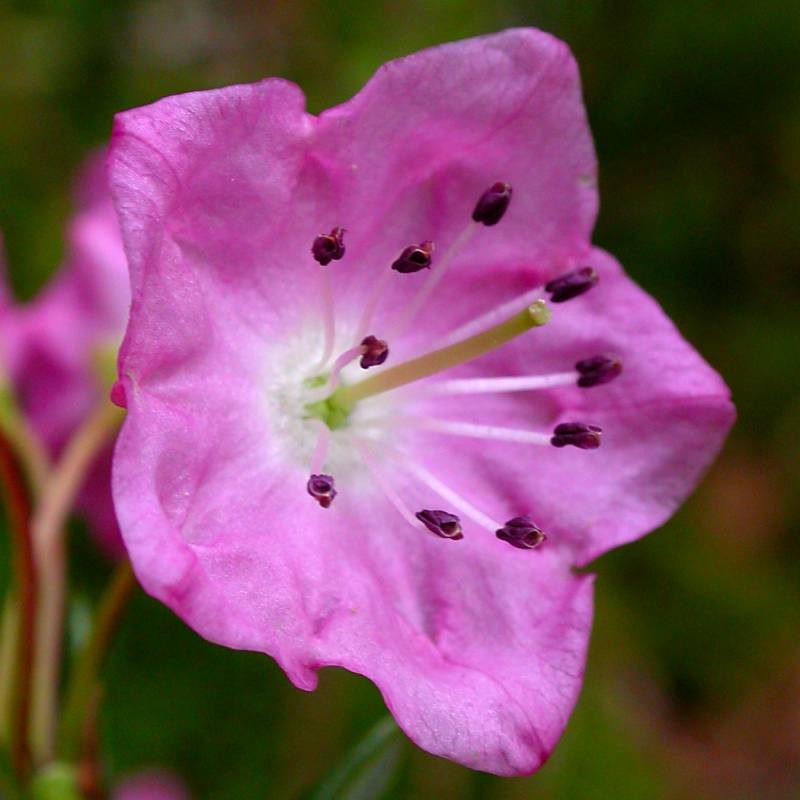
(693, 681)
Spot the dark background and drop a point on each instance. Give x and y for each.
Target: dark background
(693, 681)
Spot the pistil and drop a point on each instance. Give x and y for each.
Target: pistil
(533, 316)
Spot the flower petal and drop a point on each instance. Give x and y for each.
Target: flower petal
(434, 130)
(664, 420)
(478, 649)
(205, 184)
(247, 180)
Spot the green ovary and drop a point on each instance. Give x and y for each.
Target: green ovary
(333, 410)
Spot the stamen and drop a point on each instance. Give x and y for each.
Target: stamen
(333, 378)
(524, 383)
(493, 204)
(328, 320)
(533, 316)
(521, 532)
(402, 509)
(398, 327)
(442, 523)
(453, 498)
(321, 488)
(375, 351)
(414, 258)
(592, 371)
(489, 210)
(328, 247)
(485, 431)
(597, 370)
(571, 285)
(577, 434)
(321, 447)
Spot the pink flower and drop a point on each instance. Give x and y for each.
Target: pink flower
(423, 563)
(59, 350)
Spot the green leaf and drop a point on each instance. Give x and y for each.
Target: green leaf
(369, 770)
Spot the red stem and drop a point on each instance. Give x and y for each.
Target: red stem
(15, 496)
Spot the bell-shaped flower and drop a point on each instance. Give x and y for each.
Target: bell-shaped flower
(58, 351)
(359, 433)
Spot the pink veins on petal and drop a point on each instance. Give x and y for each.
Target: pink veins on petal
(246, 401)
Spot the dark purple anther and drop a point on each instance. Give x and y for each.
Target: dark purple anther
(414, 258)
(585, 437)
(571, 285)
(320, 487)
(376, 351)
(443, 524)
(522, 533)
(598, 369)
(329, 247)
(493, 204)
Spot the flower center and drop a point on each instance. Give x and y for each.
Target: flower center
(329, 405)
(333, 411)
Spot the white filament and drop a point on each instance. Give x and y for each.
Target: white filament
(402, 509)
(372, 302)
(322, 392)
(328, 319)
(485, 431)
(320, 448)
(522, 383)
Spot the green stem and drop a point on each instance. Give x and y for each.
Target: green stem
(82, 687)
(18, 513)
(8, 660)
(24, 440)
(49, 528)
(533, 316)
